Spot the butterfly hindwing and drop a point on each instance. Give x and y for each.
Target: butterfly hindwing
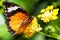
(25, 23)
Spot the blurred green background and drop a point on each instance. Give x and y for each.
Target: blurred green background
(32, 6)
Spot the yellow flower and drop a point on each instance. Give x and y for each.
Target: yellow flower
(48, 14)
(54, 17)
(55, 11)
(39, 16)
(32, 28)
(49, 7)
(43, 10)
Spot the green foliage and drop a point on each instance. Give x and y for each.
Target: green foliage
(1, 6)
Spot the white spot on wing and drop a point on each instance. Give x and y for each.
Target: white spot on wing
(12, 8)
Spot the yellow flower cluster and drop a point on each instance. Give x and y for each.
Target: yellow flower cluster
(48, 14)
(32, 28)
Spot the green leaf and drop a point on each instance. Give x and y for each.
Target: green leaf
(1, 6)
(4, 34)
(38, 36)
(2, 19)
(1, 2)
(25, 4)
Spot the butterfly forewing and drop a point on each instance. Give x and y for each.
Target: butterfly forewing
(16, 18)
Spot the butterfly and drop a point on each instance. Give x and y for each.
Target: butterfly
(17, 18)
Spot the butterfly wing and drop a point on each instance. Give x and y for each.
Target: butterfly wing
(25, 23)
(15, 17)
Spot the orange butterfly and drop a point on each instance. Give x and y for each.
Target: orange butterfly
(17, 18)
